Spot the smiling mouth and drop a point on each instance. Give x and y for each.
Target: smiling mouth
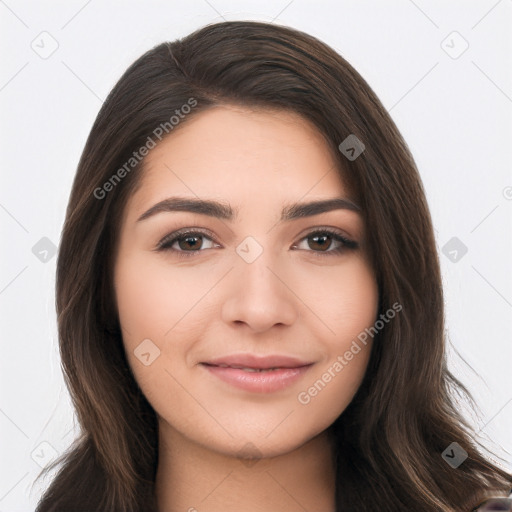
(258, 374)
(250, 369)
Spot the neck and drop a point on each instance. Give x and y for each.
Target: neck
(192, 478)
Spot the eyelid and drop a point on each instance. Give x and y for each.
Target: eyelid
(171, 237)
(347, 241)
(327, 229)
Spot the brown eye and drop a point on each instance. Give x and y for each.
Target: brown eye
(323, 241)
(320, 242)
(189, 242)
(186, 242)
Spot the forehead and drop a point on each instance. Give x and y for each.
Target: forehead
(241, 156)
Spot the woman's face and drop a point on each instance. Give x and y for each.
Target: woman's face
(258, 285)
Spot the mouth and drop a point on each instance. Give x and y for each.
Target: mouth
(256, 373)
(244, 368)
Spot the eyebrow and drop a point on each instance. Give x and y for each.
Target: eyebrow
(219, 210)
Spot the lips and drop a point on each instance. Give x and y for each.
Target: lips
(251, 361)
(253, 373)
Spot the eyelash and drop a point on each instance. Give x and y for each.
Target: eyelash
(169, 240)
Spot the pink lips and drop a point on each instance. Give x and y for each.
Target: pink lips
(263, 374)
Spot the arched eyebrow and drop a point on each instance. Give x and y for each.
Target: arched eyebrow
(223, 211)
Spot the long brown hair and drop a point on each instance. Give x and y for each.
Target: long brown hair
(389, 441)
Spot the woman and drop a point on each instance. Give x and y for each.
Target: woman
(249, 297)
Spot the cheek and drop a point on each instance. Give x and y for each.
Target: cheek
(162, 311)
(329, 392)
(344, 299)
(348, 308)
(154, 297)
(152, 305)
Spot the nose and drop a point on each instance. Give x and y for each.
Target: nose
(259, 296)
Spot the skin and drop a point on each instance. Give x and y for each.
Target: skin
(297, 298)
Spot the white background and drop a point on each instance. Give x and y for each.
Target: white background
(454, 113)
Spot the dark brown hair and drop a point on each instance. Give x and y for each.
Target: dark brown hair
(388, 442)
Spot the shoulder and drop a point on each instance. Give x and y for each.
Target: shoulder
(503, 504)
